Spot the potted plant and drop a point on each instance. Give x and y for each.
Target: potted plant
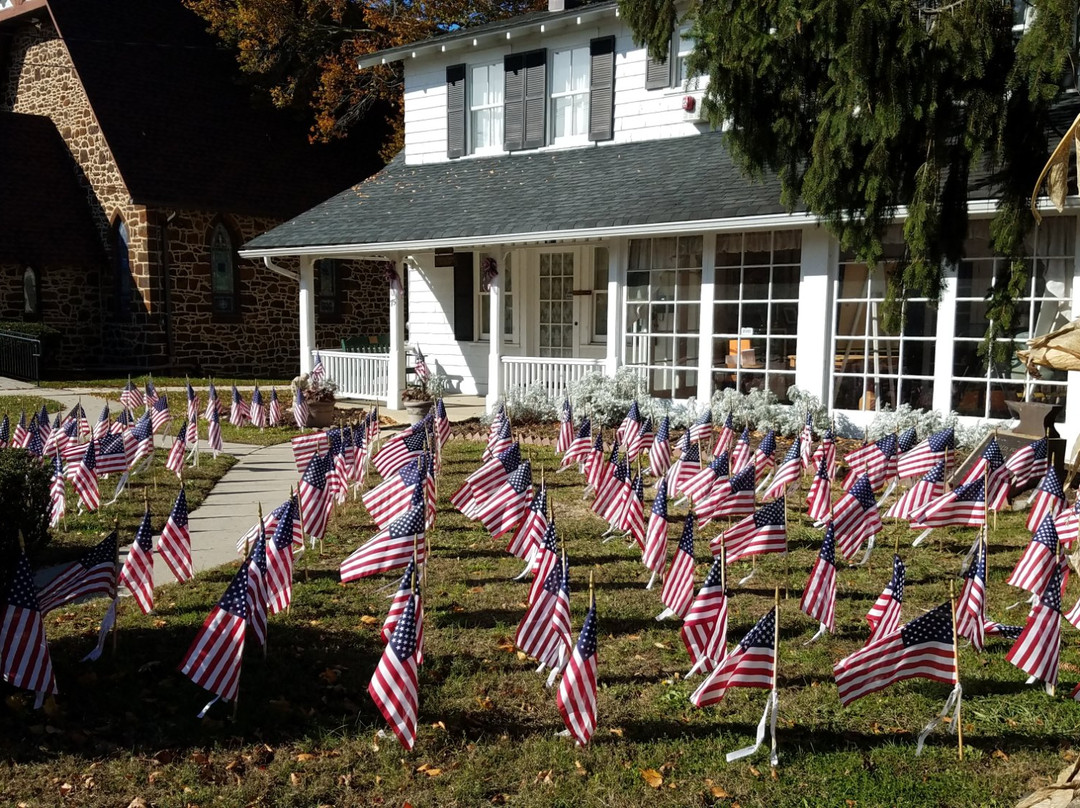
(319, 395)
(420, 397)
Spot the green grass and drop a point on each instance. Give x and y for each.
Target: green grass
(15, 404)
(306, 729)
(199, 383)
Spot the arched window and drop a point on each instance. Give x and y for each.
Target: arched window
(121, 269)
(223, 284)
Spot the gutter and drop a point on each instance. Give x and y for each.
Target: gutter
(292, 275)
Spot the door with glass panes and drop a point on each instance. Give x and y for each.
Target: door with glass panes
(557, 319)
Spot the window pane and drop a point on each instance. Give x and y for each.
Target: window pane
(560, 72)
(726, 318)
(479, 86)
(785, 283)
(727, 284)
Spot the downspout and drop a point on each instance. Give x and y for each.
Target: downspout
(292, 275)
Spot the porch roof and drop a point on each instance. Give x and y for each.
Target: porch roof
(575, 193)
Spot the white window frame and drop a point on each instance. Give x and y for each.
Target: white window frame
(554, 96)
(684, 46)
(483, 304)
(495, 69)
(597, 292)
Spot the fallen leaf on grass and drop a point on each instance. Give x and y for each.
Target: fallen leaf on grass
(330, 675)
(433, 772)
(719, 793)
(304, 756)
(295, 779)
(159, 624)
(580, 769)
(138, 802)
(65, 789)
(521, 655)
(618, 731)
(773, 774)
(477, 589)
(369, 620)
(754, 771)
(485, 703)
(652, 777)
(544, 776)
(999, 755)
(506, 645)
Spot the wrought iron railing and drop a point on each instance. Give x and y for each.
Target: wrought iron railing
(20, 356)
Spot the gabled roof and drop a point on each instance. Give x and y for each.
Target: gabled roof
(533, 195)
(45, 219)
(180, 123)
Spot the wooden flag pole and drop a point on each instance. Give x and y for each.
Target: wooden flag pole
(956, 664)
(787, 552)
(776, 663)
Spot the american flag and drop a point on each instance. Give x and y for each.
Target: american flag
(507, 506)
(131, 396)
(257, 586)
(112, 455)
(404, 448)
(174, 544)
(876, 460)
(442, 422)
(137, 574)
(545, 558)
(1049, 500)
(18, 440)
(84, 478)
(402, 596)
(596, 465)
(34, 444)
(884, 615)
(731, 497)
(24, 649)
(630, 423)
(1036, 651)
(175, 461)
(238, 410)
(615, 478)
(317, 370)
(701, 429)
(93, 574)
(279, 556)
(701, 484)
(497, 419)
(192, 415)
(921, 649)
(492, 473)
(971, 606)
(5, 431)
(819, 497)
(537, 634)
(531, 531)
(577, 690)
(423, 372)
(124, 421)
(274, 411)
(312, 491)
(938, 448)
(678, 589)
(151, 396)
(704, 630)
(740, 455)
(1039, 560)
(683, 470)
(660, 449)
(500, 440)
(142, 438)
(763, 532)
(305, 447)
(389, 549)
(654, 556)
(826, 449)
(394, 687)
(57, 493)
(213, 660)
(963, 506)
(578, 449)
(213, 432)
(819, 596)
(159, 413)
(725, 437)
(101, 428)
(907, 441)
(921, 494)
(299, 408)
(1030, 461)
(990, 465)
(855, 517)
(750, 664)
(1067, 524)
(639, 441)
(386, 501)
(789, 471)
(633, 516)
(764, 457)
(257, 410)
(566, 427)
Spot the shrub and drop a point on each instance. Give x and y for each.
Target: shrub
(927, 422)
(531, 405)
(606, 399)
(24, 501)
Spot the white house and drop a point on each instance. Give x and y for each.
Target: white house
(559, 207)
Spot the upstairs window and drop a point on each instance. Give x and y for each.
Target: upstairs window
(569, 94)
(223, 276)
(485, 108)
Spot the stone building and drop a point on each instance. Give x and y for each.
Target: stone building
(133, 165)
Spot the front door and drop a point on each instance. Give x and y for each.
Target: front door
(557, 323)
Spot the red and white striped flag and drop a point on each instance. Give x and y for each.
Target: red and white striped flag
(762, 532)
(654, 556)
(875, 460)
(257, 586)
(566, 427)
(855, 517)
(174, 543)
(492, 474)
(112, 455)
(389, 549)
(546, 557)
(57, 493)
(159, 413)
(299, 408)
(678, 591)
(788, 473)
(279, 556)
(884, 615)
(1067, 524)
(938, 448)
(137, 574)
(962, 507)
(724, 438)
(660, 449)
(733, 496)
(539, 634)
(131, 396)
(1029, 462)
(704, 630)
(683, 469)
(84, 478)
(819, 596)
(971, 606)
(305, 447)
(312, 491)
(1037, 651)
(175, 461)
(764, 457)
(701, 429)
(698, 488)
(238, 411)
(819, 497)
(750, 664)
(630, 423)
(632, 519)
(579, 447)
(806, 439)
(213, 432)
(403, 448)
(500, 439)
(192, 435)
(93, 574)
(577, 690)
(407, 588)
(921, 494)
(386, 501)
(1039, 560)
(257, 409)
(24, 650)
(213, 660)
(531, 531)
(273, 414)
(1049, 500)
(921, 649)
(640, 440)
(394, 686)
(827, 450)
(506, 508)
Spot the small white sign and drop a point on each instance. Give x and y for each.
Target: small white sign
(746, 332)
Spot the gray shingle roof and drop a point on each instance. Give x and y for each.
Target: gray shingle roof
(615, 185)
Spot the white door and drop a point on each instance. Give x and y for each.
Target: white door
(557, 319)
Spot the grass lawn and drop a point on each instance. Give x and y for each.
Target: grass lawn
(15, 404)
(306, 731)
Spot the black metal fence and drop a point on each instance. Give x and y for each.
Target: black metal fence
(20, 356)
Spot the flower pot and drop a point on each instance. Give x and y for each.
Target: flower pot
(416, 410)
(320, 414)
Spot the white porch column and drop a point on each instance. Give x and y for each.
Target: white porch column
(814, 328)
(705, 330)
(1068, 430)
(617, 258)
(307, 313)
(495, 320)
(396, 374)
(943, 350)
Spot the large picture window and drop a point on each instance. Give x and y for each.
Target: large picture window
(486, 108)
(875, 367)
(663, 312)
(569, 94)
(982, 388)
(756, 311)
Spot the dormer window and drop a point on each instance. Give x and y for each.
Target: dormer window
(485, 108)
(570, 94)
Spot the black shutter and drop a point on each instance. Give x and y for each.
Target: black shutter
(535, 98)
(514, 102)
(602, 88)
(464, 299)
(658, 74)
(455, 111)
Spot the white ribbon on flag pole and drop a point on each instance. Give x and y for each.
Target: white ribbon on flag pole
(822, 630)
(107, 622)
(952, 705)
(770, 711)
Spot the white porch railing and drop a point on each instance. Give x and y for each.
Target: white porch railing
(358, 375)
(552, 374)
